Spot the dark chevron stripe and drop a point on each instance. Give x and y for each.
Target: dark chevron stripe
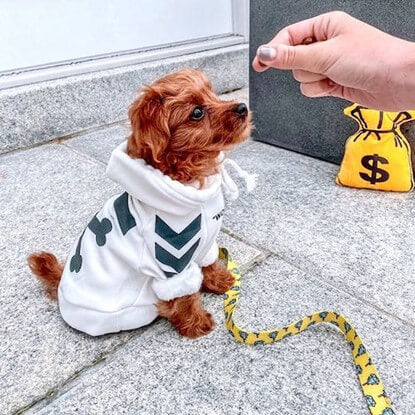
(178, 240)
(125, 218)
(178, 264)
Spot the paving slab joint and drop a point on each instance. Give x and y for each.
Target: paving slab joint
(82, 154)
(268, 253)
(62, 387)
(344, 292)
(265, 253)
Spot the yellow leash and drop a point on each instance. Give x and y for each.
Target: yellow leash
(372, 387)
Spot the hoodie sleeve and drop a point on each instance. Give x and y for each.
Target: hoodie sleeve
(186, 283)
(211, 256)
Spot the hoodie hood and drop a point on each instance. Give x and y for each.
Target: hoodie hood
(155, 189)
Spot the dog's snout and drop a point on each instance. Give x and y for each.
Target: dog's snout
(241, 109)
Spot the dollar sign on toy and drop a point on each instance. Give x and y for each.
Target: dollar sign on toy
(377, 156)
(371, 163)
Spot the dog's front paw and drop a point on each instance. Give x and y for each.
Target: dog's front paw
(217, 279)
(187, 315)
(197, 326)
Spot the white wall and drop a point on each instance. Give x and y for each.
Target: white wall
(42, 32)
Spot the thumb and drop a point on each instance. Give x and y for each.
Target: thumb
(312, 58)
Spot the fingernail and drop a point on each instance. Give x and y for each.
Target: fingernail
(266, 53)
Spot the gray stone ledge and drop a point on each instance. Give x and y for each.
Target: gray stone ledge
(41, 112)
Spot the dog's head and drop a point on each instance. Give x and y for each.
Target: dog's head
(179, 126)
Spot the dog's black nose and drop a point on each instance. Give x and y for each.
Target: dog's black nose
(241, 109)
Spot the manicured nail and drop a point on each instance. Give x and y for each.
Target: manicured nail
(266, 53)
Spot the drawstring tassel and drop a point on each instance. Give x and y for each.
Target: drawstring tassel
(230, 188)
(250, 179)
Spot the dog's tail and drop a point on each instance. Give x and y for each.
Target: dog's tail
(48, 270)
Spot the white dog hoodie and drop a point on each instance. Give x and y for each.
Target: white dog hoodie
(146, 244)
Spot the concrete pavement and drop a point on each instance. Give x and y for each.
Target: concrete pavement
(304, 244)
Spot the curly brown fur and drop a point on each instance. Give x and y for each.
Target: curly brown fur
(165, 136)
(217, 279)
(187, 315)
(48, 270)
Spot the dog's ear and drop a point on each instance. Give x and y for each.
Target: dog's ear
(150, 127)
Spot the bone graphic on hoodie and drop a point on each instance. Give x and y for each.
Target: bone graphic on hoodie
(100, 229)
(146, 244)
(126, 221)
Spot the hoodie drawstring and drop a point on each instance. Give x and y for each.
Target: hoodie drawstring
(229, 187)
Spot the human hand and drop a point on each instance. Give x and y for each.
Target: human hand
(346, 58)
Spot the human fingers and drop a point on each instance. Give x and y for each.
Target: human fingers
(286, 50)
(321, 88)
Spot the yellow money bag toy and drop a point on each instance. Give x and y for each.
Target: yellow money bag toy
(377, 156)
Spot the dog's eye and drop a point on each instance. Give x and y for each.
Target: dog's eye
(197, 114)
